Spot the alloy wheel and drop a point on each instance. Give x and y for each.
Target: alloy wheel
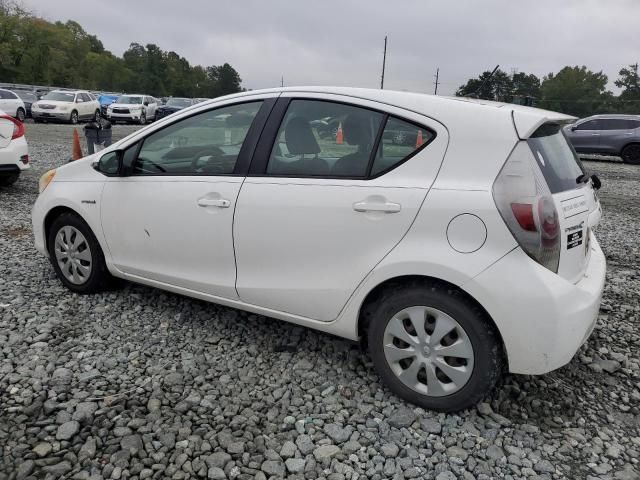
(428, 351)
(73, 255)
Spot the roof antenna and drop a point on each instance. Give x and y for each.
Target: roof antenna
(475, 94)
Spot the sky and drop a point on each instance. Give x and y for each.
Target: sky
(340, 42)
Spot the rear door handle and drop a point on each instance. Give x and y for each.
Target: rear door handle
(386, 207)
(214, 202)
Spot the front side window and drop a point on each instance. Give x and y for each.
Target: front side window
(318, 138)
(205, 144)
(590, 125)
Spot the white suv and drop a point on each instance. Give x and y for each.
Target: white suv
(14, 153)
(67, 106)
(462, 251)
(133, 108)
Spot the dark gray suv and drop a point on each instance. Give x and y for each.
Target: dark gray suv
(608, 135)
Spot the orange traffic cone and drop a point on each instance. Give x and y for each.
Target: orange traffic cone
(419, 140)
(339, 135)
(76, 151)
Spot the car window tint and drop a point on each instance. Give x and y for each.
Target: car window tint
(204, 144)
(614, 124)
(5, 94)
(318, 138)
(590, 125)
(400, 139)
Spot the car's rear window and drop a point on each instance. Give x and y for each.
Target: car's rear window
(555, 156)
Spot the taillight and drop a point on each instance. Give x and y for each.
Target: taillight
(18, 126)
(527, 207)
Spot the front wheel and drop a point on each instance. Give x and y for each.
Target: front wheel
(434, 347)
(20, 115)
(96, 116)
(631, 154)
(73, 119)
(76, 255)
(143, 119)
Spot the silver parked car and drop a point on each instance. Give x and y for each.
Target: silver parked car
(608, 135)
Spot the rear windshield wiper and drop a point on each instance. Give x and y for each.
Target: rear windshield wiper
(582, 178)
(595, 181)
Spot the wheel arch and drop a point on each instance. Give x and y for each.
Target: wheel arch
(365, 312)
(54, 213)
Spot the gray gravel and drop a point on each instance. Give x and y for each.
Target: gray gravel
(139, 383)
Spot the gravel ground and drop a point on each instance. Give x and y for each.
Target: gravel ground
(140, 383)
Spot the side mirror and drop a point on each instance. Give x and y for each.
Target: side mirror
(573, 128)
(146, 104)
(110, 163)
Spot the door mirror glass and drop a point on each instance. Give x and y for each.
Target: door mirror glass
(110, 163)
(146, 104)
(573, 128)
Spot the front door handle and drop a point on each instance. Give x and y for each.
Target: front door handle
(386, 207)
(214, 202)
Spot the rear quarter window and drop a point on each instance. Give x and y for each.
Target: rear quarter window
(556, 158)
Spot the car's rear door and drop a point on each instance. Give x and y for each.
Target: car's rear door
(170, 219)
(319, 210)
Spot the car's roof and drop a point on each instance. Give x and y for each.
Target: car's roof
(613, 115)
(442, 108)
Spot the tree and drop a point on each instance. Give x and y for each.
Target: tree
(501, 87)
(629, 81)
(576, 91)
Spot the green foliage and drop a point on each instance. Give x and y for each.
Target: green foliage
(34, 51)
(629, 81)
(501, 87)
(576, 91)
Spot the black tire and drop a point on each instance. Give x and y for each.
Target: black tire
(143, 119)
(96, 116)
(37, 120)
(9, 180)
(73, 118)
(20, 115)
(487, 347)
(99, 279)
(631, 154)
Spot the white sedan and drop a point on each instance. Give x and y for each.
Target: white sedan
(462, 251)
(14, 153)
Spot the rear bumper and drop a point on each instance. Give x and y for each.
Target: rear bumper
(10, 157)
(546, 318)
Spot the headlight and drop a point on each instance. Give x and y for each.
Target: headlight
(45, 180)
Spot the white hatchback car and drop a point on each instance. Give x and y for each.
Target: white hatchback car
(463, 250)
(14, 153)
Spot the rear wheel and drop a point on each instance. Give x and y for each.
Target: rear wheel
(631, 154)
(73, 119)
(434, 347)
(76, 255)
(20, 115)
(9, 180)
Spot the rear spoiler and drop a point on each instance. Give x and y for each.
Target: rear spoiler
(528, 120)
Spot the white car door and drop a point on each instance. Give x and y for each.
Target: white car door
(170, 218)
(314, 216)
(151, 108)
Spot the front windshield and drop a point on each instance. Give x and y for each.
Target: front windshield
(25, 95)
(59, 96)
(130, 100)
(178, 102)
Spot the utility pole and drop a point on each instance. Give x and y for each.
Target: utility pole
(282, 81)
(437, 82)
(384, 61)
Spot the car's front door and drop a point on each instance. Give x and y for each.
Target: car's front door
(320, 208)
(170, 219)
(586, 136)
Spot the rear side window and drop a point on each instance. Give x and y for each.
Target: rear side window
(319, 138)
(617, 124)
(400, 140)
(557, 160)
